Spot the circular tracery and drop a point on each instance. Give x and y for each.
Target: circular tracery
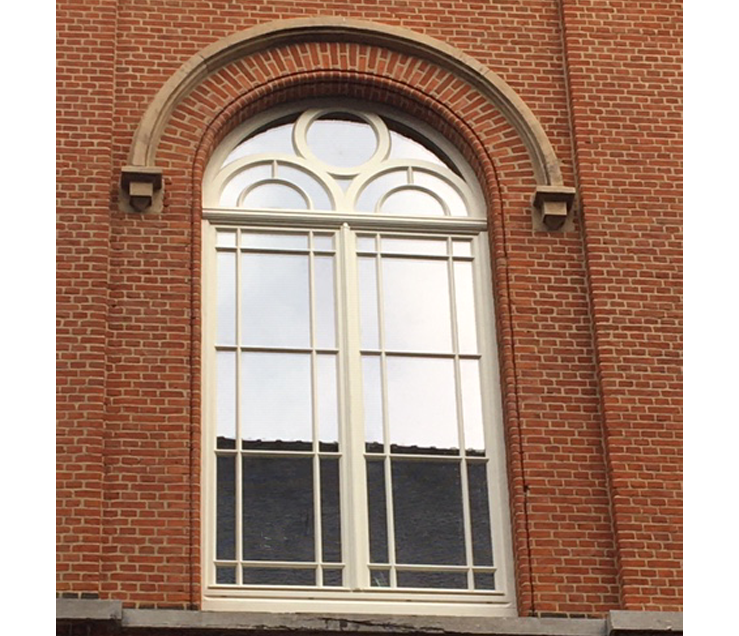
(339, 160)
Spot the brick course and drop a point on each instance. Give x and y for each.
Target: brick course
(589, 321)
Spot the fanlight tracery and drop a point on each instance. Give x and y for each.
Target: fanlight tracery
(341, 161)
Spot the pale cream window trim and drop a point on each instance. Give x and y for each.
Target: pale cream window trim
(357, 595)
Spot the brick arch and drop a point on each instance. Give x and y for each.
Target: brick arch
(488, 85)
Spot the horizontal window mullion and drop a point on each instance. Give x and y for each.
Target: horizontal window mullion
(334, 220)
(260, 349)
(421, 354)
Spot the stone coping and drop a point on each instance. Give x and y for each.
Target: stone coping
(617, 623)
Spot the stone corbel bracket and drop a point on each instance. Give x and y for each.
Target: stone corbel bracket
(141, 182)
(141, 189)
(553, 207)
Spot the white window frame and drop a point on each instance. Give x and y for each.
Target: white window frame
(357, 596)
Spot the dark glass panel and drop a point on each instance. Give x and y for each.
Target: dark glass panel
(278, 509)
(482, 547)
(330, 510)
(484, 580)
(427, 506)
(226, 508)
(333, 578)
(436, 580)
(225, 575)
(278, 576)
(377, 511)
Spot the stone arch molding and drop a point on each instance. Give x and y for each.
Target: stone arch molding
(142, 182)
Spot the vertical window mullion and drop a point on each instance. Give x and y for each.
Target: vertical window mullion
(239, 460)
(353, 496)
(317, 503)
(467, 514)
(387, 460)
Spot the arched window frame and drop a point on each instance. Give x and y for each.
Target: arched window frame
(347, 223)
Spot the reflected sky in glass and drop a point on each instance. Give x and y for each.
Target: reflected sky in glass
(422, 402)
(275, 300)
(416, 305)
(341, 143)
(276, 402)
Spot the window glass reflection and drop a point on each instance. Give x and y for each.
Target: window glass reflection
(277, 196)
(275, 300)
(276, 402)
(278, 509)
(340, 142)
(427, 507)
(411, 202)
(274, 140)
(422, 405)
(416, 305)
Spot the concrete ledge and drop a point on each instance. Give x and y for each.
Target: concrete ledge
(68, 609)
(194, 623)
(637, 623)
(183, 620)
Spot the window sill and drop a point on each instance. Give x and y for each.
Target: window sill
(195, 623)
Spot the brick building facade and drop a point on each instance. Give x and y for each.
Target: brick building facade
(569, 115)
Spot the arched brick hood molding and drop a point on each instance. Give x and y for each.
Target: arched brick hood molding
(551, 193)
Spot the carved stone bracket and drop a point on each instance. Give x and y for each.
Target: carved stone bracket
(142, 189)
(553, 207)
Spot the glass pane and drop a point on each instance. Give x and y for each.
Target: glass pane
(462, 248)
(422, 405)
(333, 578)
(278, 509)
(242, 180)
(416, 305)
(324, 301)
(226, 238)
(323, 242)
(446, 192)
(371, 193)
(465, 296)
(275, 196)
(276, 401)
(226, 399)
(436, 580)
(226, 508)
(307, 183)
(225, 575)
(474, 434)
(342, 143)
(279, 576)
(482, 548)
(427, 506)
(226, 312)
(376, 502)
(411, 202)
(274, 140)
(328, 403)
(484, 580)
(330, 510)
(275, 300)
(366, 244)
(380, 578)
(434, 247)
(404, 148)
(263, 240)
(368, 303)
(372, 383)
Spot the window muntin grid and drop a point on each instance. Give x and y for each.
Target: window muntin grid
(454, 252)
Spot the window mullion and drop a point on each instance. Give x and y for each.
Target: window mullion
(355, 521)
(239, 457)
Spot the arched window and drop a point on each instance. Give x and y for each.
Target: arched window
(353, 444)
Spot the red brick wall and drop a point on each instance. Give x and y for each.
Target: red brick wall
(587, 321)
